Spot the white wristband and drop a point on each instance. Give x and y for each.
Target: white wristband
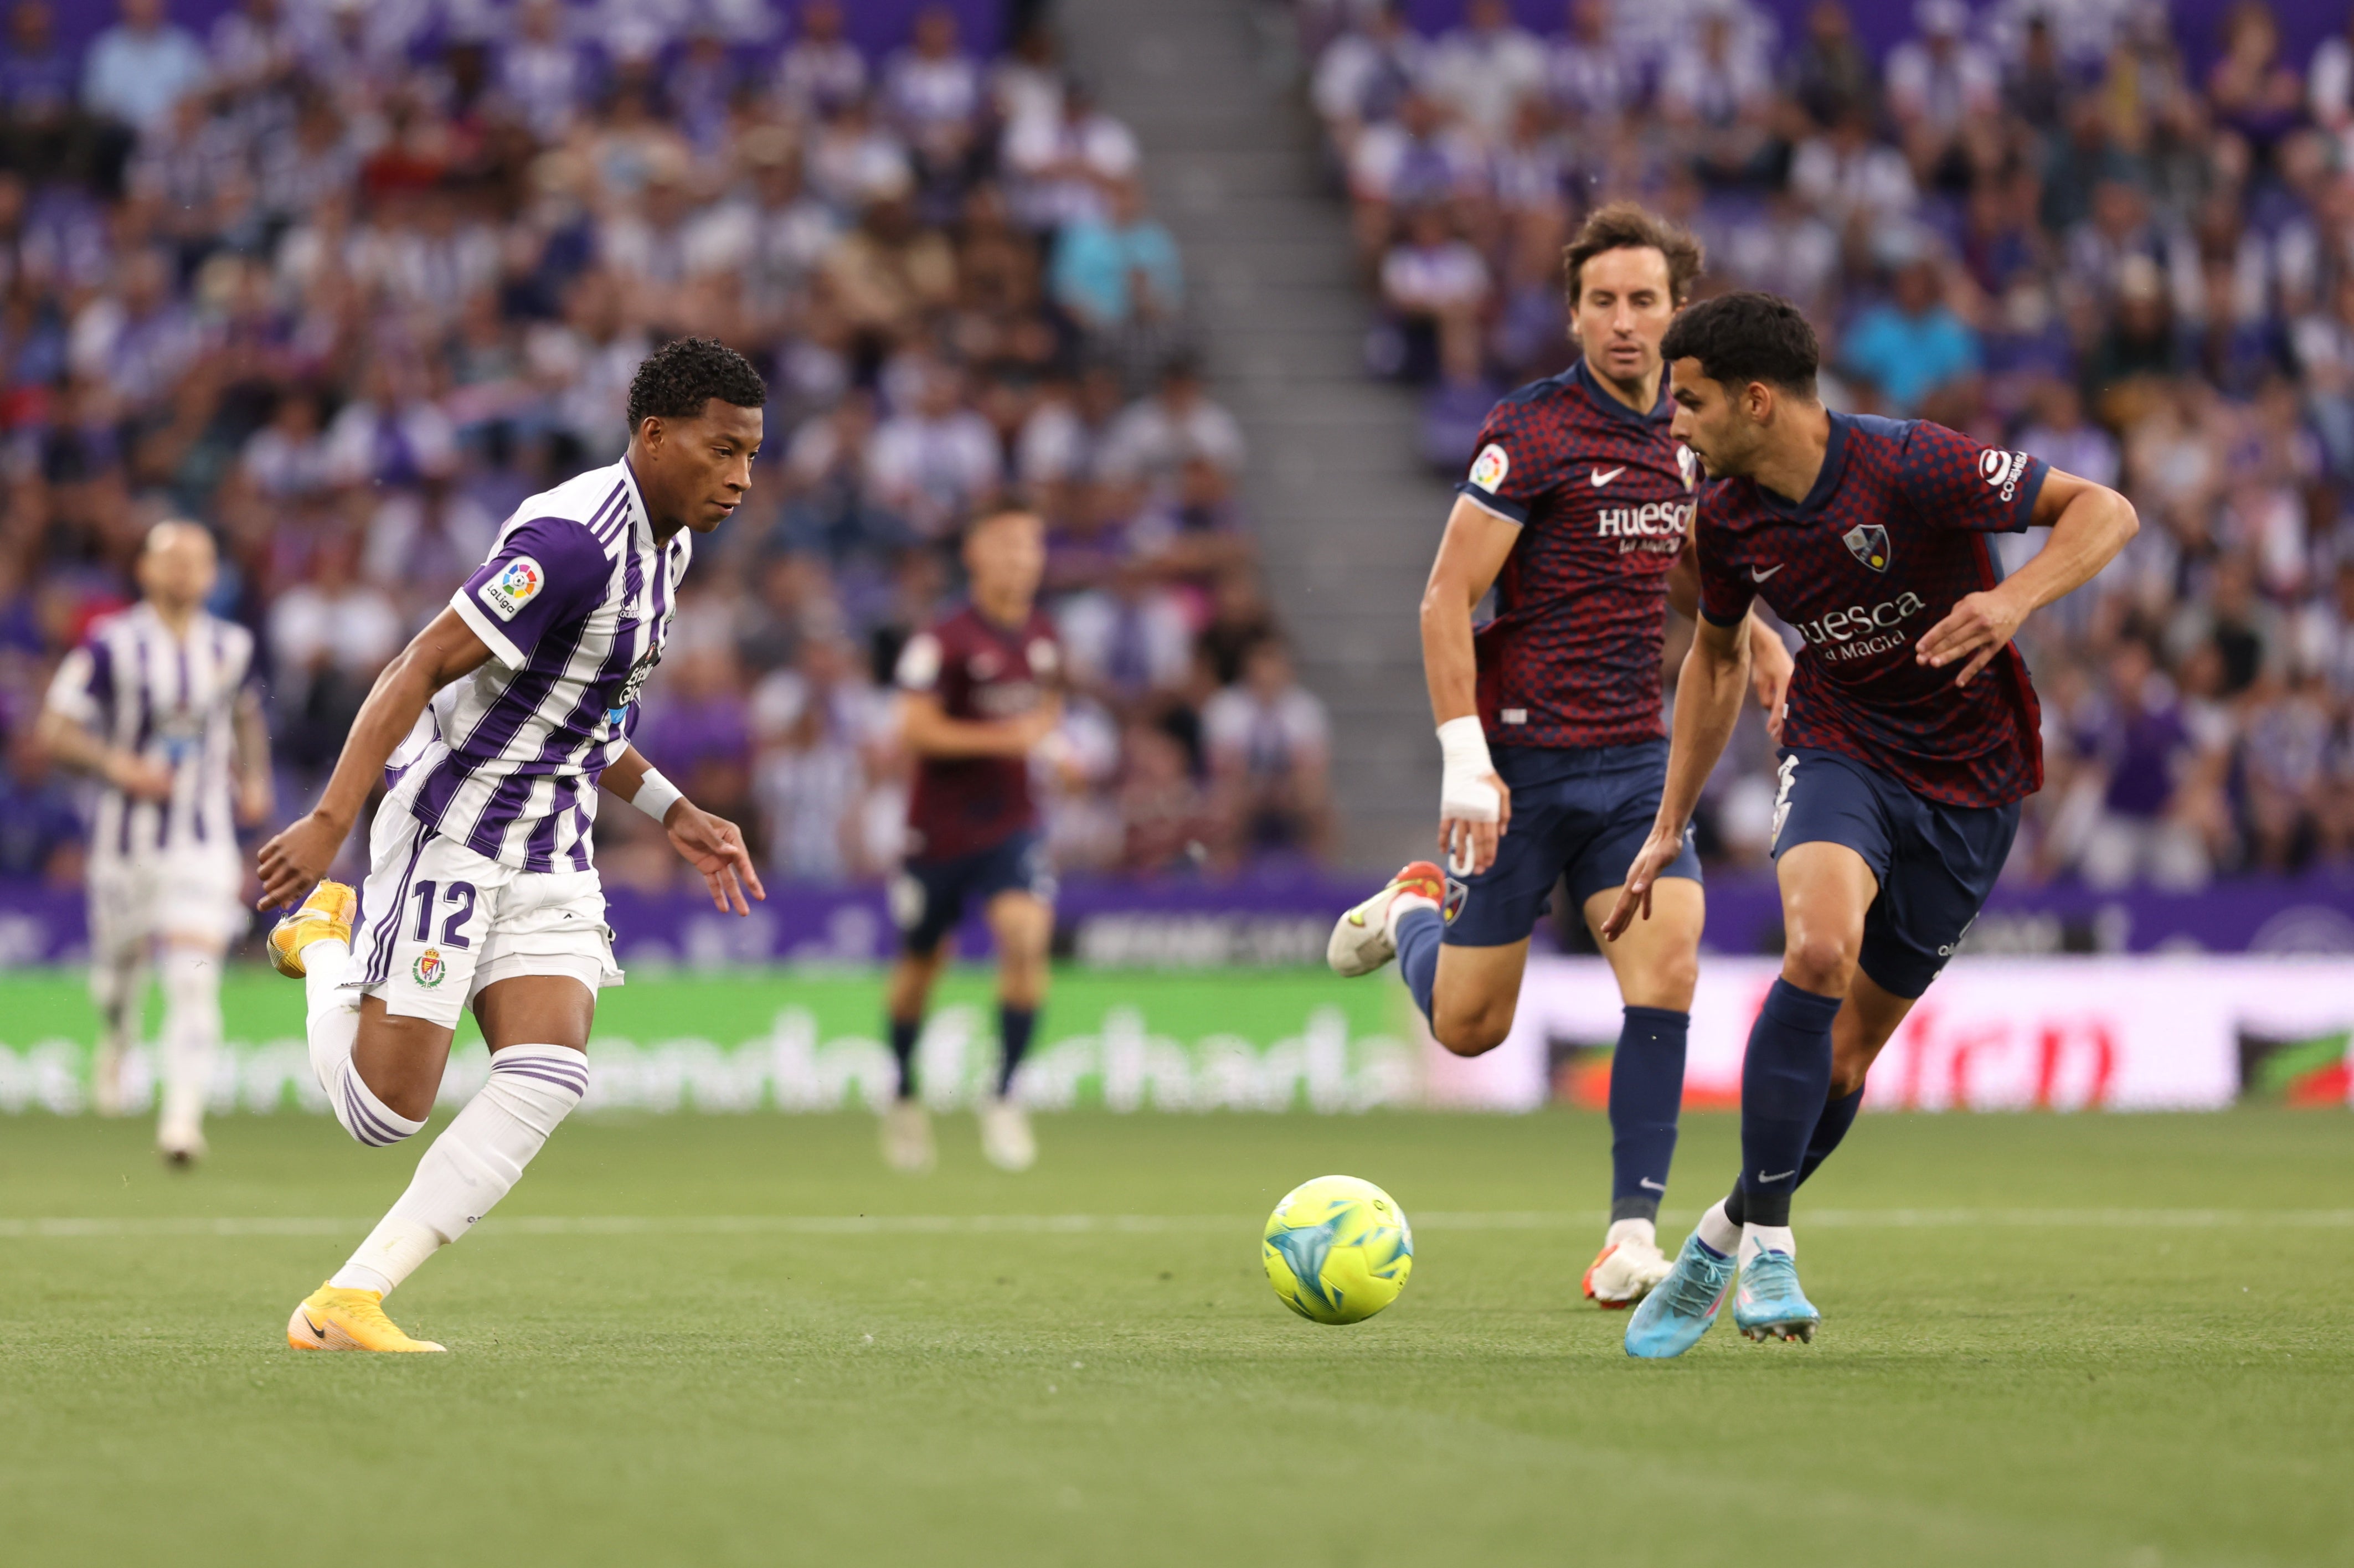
(1464, 792)
(656, 795)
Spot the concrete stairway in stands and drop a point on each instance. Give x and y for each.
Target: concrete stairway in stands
(1346, 512)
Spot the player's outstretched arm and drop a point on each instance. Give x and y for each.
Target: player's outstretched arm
(2090, 523)
(1474, 809)
(447, 649)
(929, 730)
(1708, 702)
(712, 844)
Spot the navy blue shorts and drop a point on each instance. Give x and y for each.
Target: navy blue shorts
(929, 896)
(1935, 863)
(1578, 812)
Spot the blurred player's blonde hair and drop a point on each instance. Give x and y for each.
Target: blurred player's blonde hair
(1627, 225)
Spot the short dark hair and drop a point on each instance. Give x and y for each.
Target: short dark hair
(678, 378)
(1745, 338)
(1625, 226)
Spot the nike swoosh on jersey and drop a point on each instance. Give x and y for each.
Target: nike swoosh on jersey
(1601, 477)
(1757, 577)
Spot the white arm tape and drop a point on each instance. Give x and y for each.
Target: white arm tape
(1464, 792)
(656, 795)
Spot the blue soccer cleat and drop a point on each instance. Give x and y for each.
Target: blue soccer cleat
(1771, 1305)
(1681, 1308)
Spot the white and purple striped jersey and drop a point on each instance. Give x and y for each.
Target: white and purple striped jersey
(170, 700)
(575, 604)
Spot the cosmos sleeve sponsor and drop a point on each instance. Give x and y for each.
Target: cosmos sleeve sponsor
(1957, 484)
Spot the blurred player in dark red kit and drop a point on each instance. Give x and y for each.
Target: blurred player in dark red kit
(978, 697)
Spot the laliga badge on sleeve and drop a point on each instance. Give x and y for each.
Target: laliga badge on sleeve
(1489, 469)
(513, 588)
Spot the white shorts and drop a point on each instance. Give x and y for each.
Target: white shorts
(191, 892)
(439, 923)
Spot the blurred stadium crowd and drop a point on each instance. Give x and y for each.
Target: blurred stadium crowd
(347, 281)
(2035, 221)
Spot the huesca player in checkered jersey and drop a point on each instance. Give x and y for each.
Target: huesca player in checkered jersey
(1910, 739)
(1577, 512)
(492, 732)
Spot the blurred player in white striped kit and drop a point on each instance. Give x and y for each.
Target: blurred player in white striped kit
(159, 704)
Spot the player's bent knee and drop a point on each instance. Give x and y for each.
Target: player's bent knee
(1823, 964)
(1473, 1036)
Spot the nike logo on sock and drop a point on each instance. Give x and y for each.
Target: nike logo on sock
(1654, 1186)
(1763, 1177)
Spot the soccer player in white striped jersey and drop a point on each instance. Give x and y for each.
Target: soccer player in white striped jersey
(160, 705)
(492, 732)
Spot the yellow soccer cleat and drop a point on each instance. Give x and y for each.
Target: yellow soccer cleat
(327, 913)
(333, 1319)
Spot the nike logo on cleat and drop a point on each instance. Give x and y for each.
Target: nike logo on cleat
(1763, 1177)
(1601, 477)
(1757, 577)
(315, 1327)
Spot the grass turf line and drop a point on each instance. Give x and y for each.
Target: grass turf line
(2130, 1385)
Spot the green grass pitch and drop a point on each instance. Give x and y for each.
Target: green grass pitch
(2115, 1341)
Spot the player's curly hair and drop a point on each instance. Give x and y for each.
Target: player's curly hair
(678, 378)
(1745, 338)
(1625, 226)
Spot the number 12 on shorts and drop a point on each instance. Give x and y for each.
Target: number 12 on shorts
(459, 896)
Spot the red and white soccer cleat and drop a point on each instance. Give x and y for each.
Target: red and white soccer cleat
(1361, 941)
(1624, 1272)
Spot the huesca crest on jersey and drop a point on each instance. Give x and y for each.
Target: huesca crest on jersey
(1867, 542)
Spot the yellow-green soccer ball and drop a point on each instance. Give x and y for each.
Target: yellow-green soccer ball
(1338, 1250)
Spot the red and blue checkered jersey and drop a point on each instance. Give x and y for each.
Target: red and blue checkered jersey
(1891, 536)
(1604, 499)
(979, 671)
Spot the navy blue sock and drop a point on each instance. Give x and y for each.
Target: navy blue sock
(1838, 1115)
(1786, 1082)
(1014, 1027)
(1418, 933)
(903, 1050)
(1647, 1088)
(1829, 1129)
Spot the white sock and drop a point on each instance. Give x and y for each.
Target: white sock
(474, 1164)
(1399, 906)
(1755, 1239)
(1622, 1231)
(1717, 1230)
(117, 986)
(191, 1034)
(333, 1019)
(364, 1116)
